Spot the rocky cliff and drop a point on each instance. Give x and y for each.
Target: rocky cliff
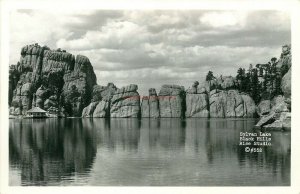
(64, 84)
(171, 101)
(52, 79)
(150, 105)
(125, 102)
(101, 100)
(275, 113)
(197, 103)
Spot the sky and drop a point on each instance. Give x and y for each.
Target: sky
(155, 47)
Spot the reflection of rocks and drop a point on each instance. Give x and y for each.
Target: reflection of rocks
(70, 149)
(121, 134)
(141, 148)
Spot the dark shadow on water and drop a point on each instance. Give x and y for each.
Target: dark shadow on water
(47, 148)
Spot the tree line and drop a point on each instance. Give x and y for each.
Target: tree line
(262, 81)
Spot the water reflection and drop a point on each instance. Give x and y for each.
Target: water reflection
(50, 149)
(143, 152)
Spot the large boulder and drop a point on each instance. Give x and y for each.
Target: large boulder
(226, 82)
(285, 58)
(150, 105)
(100, 102)
(125, 102)
(102, 109)
(266, 119)
(197, 105)
(145, 108)
(275, 121)
(286, 84)
(209, 85)
(171, 101)
(22, 97)
(278, 104)
(217, 103)
(230, 103)
(249, 106)
(197, 102)
(264, 107)
(89, 110)
(234, 104)
(279, 117)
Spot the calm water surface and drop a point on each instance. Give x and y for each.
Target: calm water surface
(169, 152)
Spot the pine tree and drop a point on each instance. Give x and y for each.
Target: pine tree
(255, 86)
(210, 76)
(241, 79)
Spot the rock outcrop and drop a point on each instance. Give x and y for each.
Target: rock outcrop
(286, 87)
(89, 110)
(249, 106)
(264, 107)
(231, 103)
(61, 83)
(22, 95)
(125, 102)
(51, 78)
(197, 104)
(278, 118)
(100, 105)
(150, 105)
(276, 113)
(171, 101)
(217, 103)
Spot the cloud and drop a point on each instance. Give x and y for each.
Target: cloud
(223, 19)
(153, 47)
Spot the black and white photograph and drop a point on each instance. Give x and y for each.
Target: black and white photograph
(149, 97)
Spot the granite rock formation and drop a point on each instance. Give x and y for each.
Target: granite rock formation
(249, 106)
(150, 105)
(231, 103)
(171, 101)
(279, 117)
(50, 78)
(125, 102)
(197, 104)
(276, 113)
(264, 107)
(286, 87)
(100, 105)
(217, 103)
(61, 83)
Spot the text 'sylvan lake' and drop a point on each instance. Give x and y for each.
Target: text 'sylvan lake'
(142, 152)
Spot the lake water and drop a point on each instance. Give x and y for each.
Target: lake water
(168, 152)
